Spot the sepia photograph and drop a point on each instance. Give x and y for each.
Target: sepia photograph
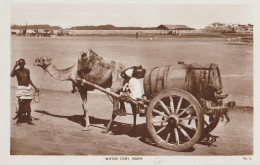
(130, 83)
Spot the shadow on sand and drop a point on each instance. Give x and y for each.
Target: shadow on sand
(120, 128)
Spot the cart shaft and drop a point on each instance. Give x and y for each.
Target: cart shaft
(99, 88)
(123, 98)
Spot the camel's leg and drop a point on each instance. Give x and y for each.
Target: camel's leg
(109, 125)
(115, 107)
(117, 85)
(84, 94)
(86, 115)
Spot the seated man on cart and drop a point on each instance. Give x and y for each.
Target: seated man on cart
(132, 90)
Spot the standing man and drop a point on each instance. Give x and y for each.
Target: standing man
(24, 91)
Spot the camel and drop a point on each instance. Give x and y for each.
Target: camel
(95, 69)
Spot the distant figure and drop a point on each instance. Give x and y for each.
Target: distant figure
(24, 91)
(137, 35)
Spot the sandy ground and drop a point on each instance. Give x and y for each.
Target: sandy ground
(58, 131)
(58, 116)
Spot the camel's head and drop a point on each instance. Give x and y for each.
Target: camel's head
(86, 61)
(43, 62)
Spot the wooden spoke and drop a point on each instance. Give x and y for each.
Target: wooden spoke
(179, 105)
(171, 104)
(176, 136)
(187, 126)
(189, 121)
(184, 133)
(207, 124)
(185, 110)
(168, 137)
(160, 130)
(188, 118)
(165, 107)
(159, 121)
(160, 113)
(162, 119)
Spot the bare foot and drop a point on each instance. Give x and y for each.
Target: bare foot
(16, 117)
(85, 128)
(18, 124)
(30, 123)
(73, 91)
(105, 131)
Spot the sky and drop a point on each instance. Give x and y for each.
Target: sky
(142, 15)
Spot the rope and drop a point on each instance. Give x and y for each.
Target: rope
(36, 96)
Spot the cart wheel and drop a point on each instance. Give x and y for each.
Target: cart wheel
(175, 120)
(210, 122)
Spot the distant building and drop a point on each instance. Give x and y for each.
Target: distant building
(15, 31)
(248, 27)
(217, 24)
(174, 29)
(30, 32)
(228, 28)
(35, 30)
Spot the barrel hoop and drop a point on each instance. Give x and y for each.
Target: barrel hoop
(165, 75)
(200, 84)
(157, 80)
(219, 77)
(218, 72)
(150, 88)
(187, 80)
(211, 65)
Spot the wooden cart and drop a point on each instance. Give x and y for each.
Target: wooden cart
(182, 103)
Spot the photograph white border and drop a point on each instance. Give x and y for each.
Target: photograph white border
(7, 159)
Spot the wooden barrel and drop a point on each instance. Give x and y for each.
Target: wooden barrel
(193, 78)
